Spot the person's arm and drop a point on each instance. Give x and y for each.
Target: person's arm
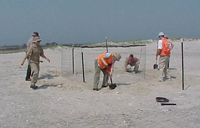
(24, 59)
(159, 48)
(158, 53)
(102, 59)
(137, 61)
(111, 72)
(27, 54)
(106, 56)
(43, 56)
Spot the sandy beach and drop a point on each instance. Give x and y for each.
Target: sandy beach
(63, 100)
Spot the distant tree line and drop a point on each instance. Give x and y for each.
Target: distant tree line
(51, 44)
(18, 47)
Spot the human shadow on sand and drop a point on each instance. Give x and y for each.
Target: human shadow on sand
(46, 86)
(48, 76)
(173, 77)
(172, 68)
(134, 72)
(122, 84)
(117, 84)
(187, 87)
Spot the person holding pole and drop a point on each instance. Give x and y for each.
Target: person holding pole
(105, 63)
(164, 51)
(34, 52)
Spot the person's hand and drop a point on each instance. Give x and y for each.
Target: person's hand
(109, 65)
(48, 60)
(22, 63)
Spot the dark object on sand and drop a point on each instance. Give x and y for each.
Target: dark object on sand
(168, 104)
(161, 99)
(112, 86)
(155, 66)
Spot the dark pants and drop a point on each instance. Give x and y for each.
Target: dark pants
(28, 72)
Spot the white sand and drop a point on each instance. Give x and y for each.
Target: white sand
(62, 102)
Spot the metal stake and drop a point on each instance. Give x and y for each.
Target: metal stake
(83, 67)
(106, 44)
(73, 59)
(182, 65)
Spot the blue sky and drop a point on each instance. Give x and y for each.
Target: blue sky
(89, 21)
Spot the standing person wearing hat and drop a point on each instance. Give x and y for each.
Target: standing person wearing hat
(105, 63)
(29, 43)
(132, 61)
(34, 52)
(164, 51)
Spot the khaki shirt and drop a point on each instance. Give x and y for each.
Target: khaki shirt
(35, 52)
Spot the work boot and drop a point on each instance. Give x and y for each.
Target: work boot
(95, 89)
(33, 87)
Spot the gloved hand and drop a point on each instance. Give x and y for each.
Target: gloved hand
(109, 64)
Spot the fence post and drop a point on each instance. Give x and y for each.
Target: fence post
(83, 67)
(73, 59)
(182, 64)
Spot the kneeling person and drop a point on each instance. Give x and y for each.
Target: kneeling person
(132, 61)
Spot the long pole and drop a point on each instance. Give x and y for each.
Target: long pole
(182, 64)
(83, 67)
(73, 59)
(106, 44)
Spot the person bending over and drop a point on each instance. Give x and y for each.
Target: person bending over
(105, 63)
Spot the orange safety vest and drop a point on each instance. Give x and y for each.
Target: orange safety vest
(107, 60)
(166, 47)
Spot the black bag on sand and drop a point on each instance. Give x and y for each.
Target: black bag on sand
(155, 66)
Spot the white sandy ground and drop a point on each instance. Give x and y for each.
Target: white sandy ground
(67, 102)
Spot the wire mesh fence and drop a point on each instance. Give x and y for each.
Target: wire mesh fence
(77, 61)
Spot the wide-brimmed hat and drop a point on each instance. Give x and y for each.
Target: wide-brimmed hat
(36, 39)
(117, 56)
